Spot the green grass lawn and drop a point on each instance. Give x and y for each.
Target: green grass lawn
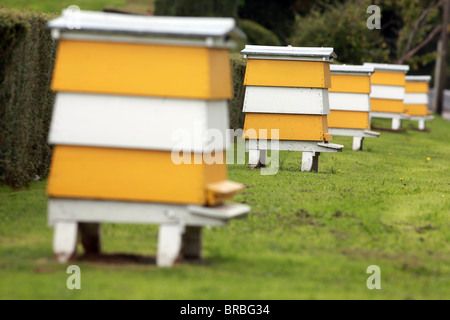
(56, 6)
(309, 235)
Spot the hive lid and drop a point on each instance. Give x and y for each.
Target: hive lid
(418, 78)
(388, 67)
(284, 53)
(105, 22)
(351, 69)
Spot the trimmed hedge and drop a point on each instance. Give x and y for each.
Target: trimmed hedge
(27, 55)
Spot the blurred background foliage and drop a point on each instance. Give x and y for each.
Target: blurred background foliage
(408, 35)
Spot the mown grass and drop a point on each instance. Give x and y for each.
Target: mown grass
(309, 235)
(56, 6)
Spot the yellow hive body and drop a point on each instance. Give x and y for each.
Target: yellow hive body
(143, 70)
(416, 87)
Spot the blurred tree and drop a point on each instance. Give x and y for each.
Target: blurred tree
(343, 26)
(276, 15)
(197, 8)
(420, 25)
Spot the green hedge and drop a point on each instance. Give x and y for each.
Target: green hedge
(27, 55)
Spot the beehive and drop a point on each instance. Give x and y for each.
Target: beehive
(349, 97)
(121, 98)
(417, 99)
(287, 90)
(134, 95)
(416, 95)
(388, 91)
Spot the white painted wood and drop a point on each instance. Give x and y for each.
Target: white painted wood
(90, 21)
(349, 101)
(387, 92)
(416, 98)
(310, 161)
(139, 122)
(357, 143)
(421, 124)
(418, 118)
(388, 115)
(221, 43)
(224, 212)
(418, 78)
(169, 244)
(289, 52)
(362, 133)
(65, 238)
(402, 68)
(282, 100)
(396, 124)
(294, 145)
(82, 210)
(351, 69)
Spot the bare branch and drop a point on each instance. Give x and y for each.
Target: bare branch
(417, 24)
(413, 51)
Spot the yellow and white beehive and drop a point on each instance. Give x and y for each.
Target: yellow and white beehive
(388, 91)
(132, 91)
(287, 90)
(349, 97)
(417, 99)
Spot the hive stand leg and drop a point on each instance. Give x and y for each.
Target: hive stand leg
(170, 238)
(90, 237)
(65, 240)
(192, 243)
(256, 157)
(310, 161)
(358, 143)
(396, 124)
(422, 124)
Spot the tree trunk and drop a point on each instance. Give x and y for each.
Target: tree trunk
(439, 90)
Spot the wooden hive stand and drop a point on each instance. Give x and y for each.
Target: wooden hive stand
(133, 94)
(286, 103)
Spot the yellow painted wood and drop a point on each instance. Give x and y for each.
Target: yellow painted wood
(416, 109)
(348, 119)
(218, 192)
(350, 83)
(132, 175)
(388, 78)
(287, 73)
(416, 87)
(291, 126)
(143, 70)
(386, 105)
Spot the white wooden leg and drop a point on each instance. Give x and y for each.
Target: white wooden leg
(169, 244)
(421, 124)
(253, 158)
(65, 238)
(357, 143)
(192, 243)
(396, 124)
(310, 161)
